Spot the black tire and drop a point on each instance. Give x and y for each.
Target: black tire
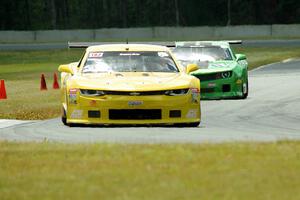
(245, 93)
(64, 117)
(193, 124)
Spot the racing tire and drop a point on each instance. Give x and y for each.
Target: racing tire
(64, 118)
(245, 90)
(193, 124)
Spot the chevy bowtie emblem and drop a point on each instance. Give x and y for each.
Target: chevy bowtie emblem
(134, 94)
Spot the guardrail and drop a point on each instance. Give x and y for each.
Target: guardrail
(169, 33)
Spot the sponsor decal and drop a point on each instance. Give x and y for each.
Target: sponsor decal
(192, 113)
(134, 94)
(195, 95)
(73, 96)
(135, 103)
(77, 114)
(95, 55)
(211, 84)
(130, 54)
(73, 91)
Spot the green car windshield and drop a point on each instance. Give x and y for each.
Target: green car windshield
(201, 54)
(105, 62)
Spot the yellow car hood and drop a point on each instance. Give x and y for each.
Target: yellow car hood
(133, 81)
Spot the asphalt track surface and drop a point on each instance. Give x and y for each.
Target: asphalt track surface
(270, 113)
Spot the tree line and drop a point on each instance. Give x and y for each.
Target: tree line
(94, 14)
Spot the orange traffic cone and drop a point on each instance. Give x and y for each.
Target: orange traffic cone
(2, 90)
(55, 82)
(43, 83)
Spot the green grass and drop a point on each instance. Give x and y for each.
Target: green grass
(110, 171)
(262, 56)
(21, 71)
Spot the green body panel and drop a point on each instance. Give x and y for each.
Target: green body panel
(213, 85)
(220, 87)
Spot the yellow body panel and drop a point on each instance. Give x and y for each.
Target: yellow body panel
(190, 111)
(76, 111)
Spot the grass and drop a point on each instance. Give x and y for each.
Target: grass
(262, 56)
(110, 171)
(21, 71)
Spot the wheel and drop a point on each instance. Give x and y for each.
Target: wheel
(64, 117)
(193, 124)
(245, 90)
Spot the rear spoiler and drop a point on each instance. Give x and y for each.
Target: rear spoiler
(234, 41)
(88, 44)
(167, 44)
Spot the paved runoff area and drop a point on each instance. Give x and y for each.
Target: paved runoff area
(270, 113)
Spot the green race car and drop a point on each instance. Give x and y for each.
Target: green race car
(222, 73)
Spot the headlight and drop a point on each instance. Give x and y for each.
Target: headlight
(226, 74)
(91, 92)
(176, 92)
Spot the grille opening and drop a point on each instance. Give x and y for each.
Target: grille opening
(226, 88)
(214, 76)
(175, 114)
(94, 114)
(207, 77)
(134, 114)
(207, 90)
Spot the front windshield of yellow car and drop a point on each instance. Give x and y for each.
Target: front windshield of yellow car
(105, 62)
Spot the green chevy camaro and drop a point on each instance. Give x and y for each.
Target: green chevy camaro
(222, 73)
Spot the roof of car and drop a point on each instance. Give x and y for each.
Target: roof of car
(223, 44)
(127, 47)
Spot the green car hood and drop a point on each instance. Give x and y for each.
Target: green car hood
(216, 66)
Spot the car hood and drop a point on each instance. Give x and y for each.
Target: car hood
(133, 81)
(216, 66)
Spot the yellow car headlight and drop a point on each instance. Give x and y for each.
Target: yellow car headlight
(176, 92)
(86, 92)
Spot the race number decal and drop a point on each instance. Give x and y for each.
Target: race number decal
(95, 55)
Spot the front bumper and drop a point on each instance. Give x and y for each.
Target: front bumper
(116, 109)
(219, 89)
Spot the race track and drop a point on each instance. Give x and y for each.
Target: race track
(271, 113)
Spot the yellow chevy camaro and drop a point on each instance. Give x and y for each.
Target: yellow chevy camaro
(133, 84)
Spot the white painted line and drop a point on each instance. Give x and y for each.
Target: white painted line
(4, 123)
(283, 61)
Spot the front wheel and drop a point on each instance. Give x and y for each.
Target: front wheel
(193, 124)
(245, 90)
(64, 117)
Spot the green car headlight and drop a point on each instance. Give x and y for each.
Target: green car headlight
(85, 92)
(226, 74)
(176, 92)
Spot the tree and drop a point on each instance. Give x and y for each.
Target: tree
(176, 12)
(53, 14)
(228, 12)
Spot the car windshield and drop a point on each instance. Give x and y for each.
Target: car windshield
(201, 54)
(103, 62)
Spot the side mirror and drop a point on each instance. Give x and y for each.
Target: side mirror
(240, 57)
(66, 69)
(191, 67)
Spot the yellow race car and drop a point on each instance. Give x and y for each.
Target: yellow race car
(135, 84)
